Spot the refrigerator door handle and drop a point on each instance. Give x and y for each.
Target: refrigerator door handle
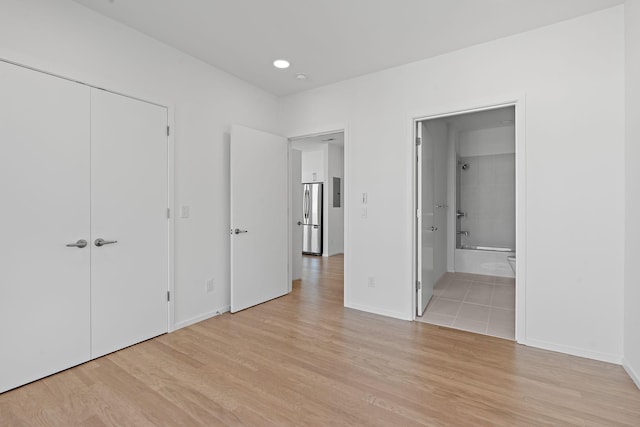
(306, 202)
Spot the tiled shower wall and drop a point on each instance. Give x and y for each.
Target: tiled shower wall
(487, 196)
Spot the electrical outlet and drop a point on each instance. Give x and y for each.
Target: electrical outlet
(210, 285)
(185, 211)
(372, 282)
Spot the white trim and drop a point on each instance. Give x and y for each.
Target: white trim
(170, 175)
(632, 373)
(171, 168)
(201, 317)
(289, 218)
(518, 101)
(521, 220)
(95, 86)
(417, 219)
(324, 130)
(412, 218)
(574, 351)
(319, 131)
(381, 312)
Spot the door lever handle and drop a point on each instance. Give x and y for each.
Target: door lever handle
(238, 231)
(79, 244)
(102, 242)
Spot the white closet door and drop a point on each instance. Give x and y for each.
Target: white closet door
(128, 208)
(44, 186)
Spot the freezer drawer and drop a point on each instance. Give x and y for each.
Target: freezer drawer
(311, 239)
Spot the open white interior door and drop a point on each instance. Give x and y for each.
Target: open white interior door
(296, 217)
(259, 218)
(425, 219)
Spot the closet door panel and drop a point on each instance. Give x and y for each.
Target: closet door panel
(129, 205)
(44, 186)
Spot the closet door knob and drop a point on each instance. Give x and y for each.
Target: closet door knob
(79, 244)
(102, 242)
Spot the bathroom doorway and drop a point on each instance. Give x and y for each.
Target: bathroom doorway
(466, 221)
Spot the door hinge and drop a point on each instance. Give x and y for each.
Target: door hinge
(168, 131)
(418, 285)
(418, 141)
(168, 213)
(168, 296)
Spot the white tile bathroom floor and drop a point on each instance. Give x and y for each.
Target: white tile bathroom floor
(474, 303)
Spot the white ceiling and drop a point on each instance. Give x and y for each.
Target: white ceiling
(330, 40)
(315, 143)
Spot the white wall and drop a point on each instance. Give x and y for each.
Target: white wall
(65, 38)
(632, 223)
(483, 142)
(313, 165)
(572, 75)
(335, 216)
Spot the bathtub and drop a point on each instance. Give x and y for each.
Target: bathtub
(486, 260)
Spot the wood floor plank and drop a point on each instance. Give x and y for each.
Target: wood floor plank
(304, 359)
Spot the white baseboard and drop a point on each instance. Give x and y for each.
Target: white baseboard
(394, 314)
(632, 373)
(574, 351)
(200, 318)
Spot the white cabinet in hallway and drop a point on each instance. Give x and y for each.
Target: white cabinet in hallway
(78, 164)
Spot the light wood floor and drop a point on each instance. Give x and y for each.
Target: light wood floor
(303, 359)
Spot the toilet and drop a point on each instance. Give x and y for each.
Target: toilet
(512, 262)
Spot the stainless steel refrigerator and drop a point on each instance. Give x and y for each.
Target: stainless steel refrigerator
(312, 218)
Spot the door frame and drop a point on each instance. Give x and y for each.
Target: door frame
(320, 131)
(170, 176)
(518, 102)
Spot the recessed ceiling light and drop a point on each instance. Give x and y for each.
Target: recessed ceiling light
(281, 63)
(301, 76)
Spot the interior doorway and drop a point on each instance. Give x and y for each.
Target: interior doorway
(466, 220)
(318, 211)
